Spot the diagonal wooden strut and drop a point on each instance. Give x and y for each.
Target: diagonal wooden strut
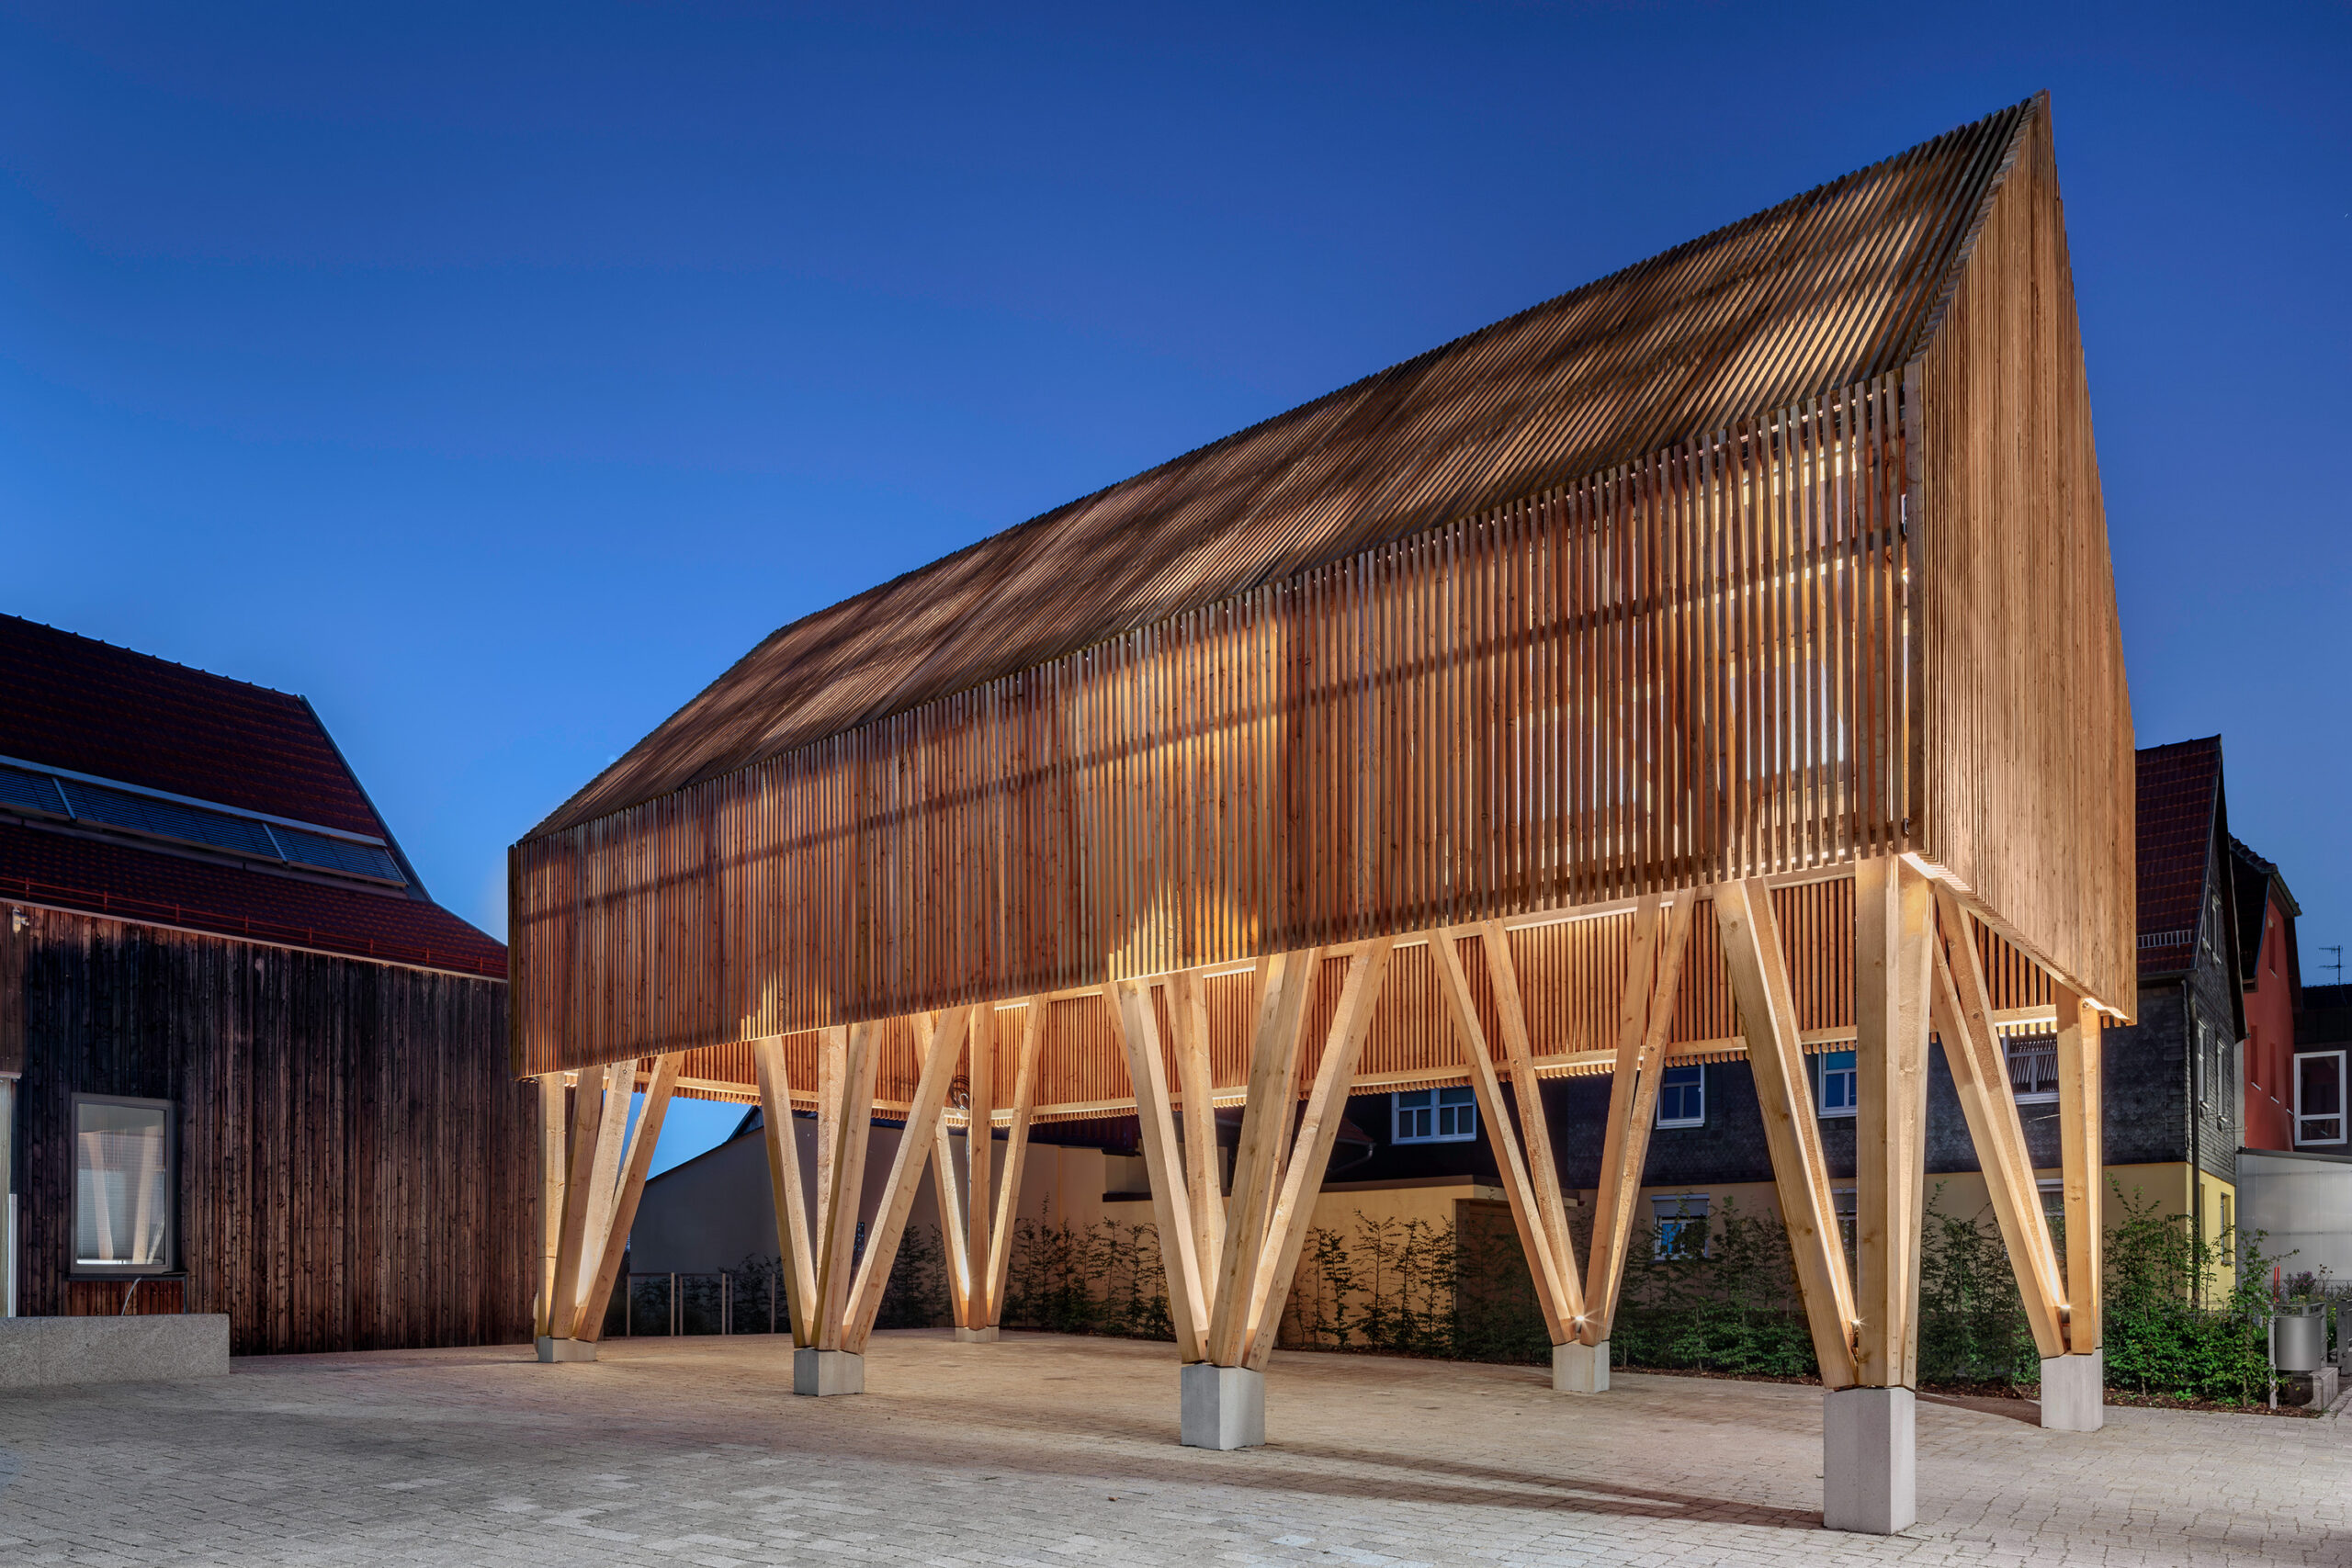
(1760, 978)
(1016, 1154)
(551, 1198)
(1555, 1283)
(951, 1234)
(1519, 1052)
(1893, 914)
(1646, 1016)
(845, 1117)
(946, 1043)
(784, 1188)
(1188, 1018)
(1286, 980)
(1310, 1152)
(1136, 1018)
(979, 1161)
(1980, 1071)
(588, 1322)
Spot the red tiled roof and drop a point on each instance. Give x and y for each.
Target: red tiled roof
(91, 708)
(2179, 791)
(133, 884)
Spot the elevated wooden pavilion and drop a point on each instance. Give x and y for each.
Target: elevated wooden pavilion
(1719, 661)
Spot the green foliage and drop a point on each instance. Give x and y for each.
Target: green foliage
(915, 1296)
(1100, 1279)
(1972, 1328)
(2185, 1315)
(1390, 1288)
(1724, 1300)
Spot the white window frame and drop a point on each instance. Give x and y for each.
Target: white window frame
(2341, 1115)
(1687, 1207)
(1698, 1121)
(1821, 1080)
(80, 1268)
(1465, 1113)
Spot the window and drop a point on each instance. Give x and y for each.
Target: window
(2215, 1091)
(1435, 1116)
(2033, 1066)
(124, 1185)
(2319, 1097)
(1682, 1097)
(1845, 1201)
(2054, 1198)
(1682, 1223)
(1836, 1094)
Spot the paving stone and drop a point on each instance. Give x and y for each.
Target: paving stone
(1045, 1449)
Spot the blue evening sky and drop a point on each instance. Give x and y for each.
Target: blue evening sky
(495, 375)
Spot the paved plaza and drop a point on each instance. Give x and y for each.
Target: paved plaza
(1045, 1449)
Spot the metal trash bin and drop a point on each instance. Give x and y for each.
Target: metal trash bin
(2300, 1330)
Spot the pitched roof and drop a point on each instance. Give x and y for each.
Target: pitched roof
(76, 704)
(1826, 290)
(75, 701)
(2180, 811)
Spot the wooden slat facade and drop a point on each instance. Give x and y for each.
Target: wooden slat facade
(357, 1169)
(1279, 706)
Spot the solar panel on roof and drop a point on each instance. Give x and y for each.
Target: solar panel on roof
(336, 854)
(168, 819)
(25, 791)
(95, 805)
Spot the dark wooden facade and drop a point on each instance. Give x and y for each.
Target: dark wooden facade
(355, 1164)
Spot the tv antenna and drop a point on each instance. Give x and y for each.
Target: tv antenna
(2337, 963)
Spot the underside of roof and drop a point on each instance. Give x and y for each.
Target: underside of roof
(1826, 290)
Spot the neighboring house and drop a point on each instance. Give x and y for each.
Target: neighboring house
(2323, 1042)
(247, 1065)
(2302, 1199)
(2273, 985)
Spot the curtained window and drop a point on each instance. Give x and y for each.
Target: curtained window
(125, 1186)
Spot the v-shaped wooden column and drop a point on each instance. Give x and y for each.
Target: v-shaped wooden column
(978, 1206)
(602, 1181)
(1660, 940)
(1230, 1316)
(1549, 1263)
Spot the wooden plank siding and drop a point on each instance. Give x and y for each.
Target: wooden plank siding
(357, 1168)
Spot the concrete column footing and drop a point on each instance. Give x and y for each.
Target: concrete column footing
(2074, 1392)
(1224, 1407)
(1580, 1369)
(566, 1349)
(824, 1373)
(975, 1335)
(1870, 1462)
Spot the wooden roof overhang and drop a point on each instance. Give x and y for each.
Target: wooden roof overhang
(1486, 640)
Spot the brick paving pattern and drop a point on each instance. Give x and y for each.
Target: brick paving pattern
(1043, 1450)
